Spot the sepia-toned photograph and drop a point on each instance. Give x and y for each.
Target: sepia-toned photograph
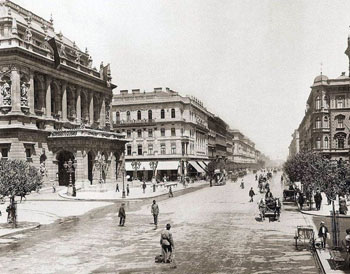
(174, 137)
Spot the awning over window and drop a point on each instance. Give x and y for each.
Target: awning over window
(202, 165)
(197, 167)
(143, 166)
(168, 165)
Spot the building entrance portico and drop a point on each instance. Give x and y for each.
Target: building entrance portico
(63, 176)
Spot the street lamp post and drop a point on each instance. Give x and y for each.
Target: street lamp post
(136, 165)
(70, 167)
(123, 194)
(153, 165)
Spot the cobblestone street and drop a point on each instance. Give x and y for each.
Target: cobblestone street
(215, 231)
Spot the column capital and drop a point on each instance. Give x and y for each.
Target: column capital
(48, 79)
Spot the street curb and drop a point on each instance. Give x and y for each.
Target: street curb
(320, 215)
(20, 231)
(120, 199)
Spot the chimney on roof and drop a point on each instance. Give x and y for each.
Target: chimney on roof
(124, 91)
(135, 91)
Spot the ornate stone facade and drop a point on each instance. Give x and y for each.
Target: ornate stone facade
(53, 105)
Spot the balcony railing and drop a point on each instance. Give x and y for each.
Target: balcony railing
(135, 122)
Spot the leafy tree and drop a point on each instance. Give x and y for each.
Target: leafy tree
(18, 178)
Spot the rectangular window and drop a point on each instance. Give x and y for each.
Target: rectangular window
(4, 153)
(173, 133)
(340, 123)
(139, 133)
(340, 102)
(128, 150)
(150, 132)
(28, 153)
(162, 149)
(162, 132)
(150, 149)
(128, 133)
(173, 148)
(139, 150)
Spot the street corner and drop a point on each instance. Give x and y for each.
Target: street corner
(7, 229)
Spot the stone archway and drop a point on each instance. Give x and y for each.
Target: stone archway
(63, 175)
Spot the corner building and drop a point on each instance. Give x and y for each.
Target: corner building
(165, 128)
(53, 105)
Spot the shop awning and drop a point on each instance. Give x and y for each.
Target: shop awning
(168, 165)
(197, 167)
(143, 166)
(202, 165)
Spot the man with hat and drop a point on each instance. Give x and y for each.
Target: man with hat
(167, 243)
(155, 212)
(322, 233)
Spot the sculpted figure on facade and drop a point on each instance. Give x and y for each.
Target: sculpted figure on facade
(108, 108)
(62, 51)
(6, 94)
(24, 94)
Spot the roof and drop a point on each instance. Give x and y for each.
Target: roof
(320, 78)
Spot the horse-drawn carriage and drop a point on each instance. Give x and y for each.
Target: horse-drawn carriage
(219, 177)
(289, 195)
(270, 209)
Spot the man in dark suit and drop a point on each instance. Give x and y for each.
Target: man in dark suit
(322, 233)
(318, 200)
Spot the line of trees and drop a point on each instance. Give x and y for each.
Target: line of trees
(315, 171)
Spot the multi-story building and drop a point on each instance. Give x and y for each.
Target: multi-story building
(217, 138)
(326, 125)
(165, 128)
(53, 105)
(294, 146)
(244, 153)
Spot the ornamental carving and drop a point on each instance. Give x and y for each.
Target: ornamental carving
(108, 108)
(24, 94)
(6, 94)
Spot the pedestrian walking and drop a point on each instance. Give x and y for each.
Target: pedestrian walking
(278, 206)
(323, 233)
(167, 243)
(117, 188)
(155, 212)
(127, 190)
(251, 194)
(144, 187)
(256, 177)
(53, 187)
(122, 215)
(318, 199)
(242, 184)
(301, 200)
(170, 192)
(347, 240)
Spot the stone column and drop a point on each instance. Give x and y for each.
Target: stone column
(103, 113)
(31, 93)
(78, 106)
(48, 96)
(91, 108)
(81, 172)
(64, 101)
(15, 90)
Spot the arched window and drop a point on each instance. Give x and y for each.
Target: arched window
(150, 115)
(318, 122)
(128, 116)
(117, 117)
(318, 102)
(326, 102)
(325, 143)
(162, 114)
(339, 140)
(172, 113)
(318, 142)
(340, 120)
(326, 122)
(139, 115)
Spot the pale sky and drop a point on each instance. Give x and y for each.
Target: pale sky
(250, 62)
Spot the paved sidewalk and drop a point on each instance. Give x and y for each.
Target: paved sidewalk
(107, 192)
